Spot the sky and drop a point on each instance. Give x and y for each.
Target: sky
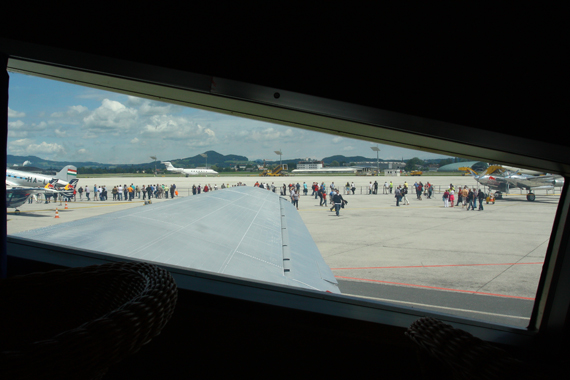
(66, 122)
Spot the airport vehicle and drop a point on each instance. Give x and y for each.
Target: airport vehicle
(416, 173)
(18, 178)
(188, 172)
(277, 172)
(501, 180)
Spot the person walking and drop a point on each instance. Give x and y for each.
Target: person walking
(295, 197)
(398, 195)
(470, 196)
(446, 198)
(403, 193)
(481, 197)
(338, 201)
(464, 193)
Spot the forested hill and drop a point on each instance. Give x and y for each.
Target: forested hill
(213, 158)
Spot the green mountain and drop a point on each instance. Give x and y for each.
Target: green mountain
(214, 158)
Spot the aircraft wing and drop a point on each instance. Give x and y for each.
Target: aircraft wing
(17, 196)
(10, 183)
(240, 231)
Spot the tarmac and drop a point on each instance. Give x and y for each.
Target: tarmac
(483, 265)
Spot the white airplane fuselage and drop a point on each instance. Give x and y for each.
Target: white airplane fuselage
(25, 179)
(197, 171)
(188, 172)
(502, 183)
(18, 178)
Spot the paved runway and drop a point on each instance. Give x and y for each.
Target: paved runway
(478, 264)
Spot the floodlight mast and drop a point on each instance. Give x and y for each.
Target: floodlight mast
(206, 156)
(279, 153)
(154, 158)
(376, 149)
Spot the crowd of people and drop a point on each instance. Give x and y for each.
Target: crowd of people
(466, 196)
(126, 193)
(331, 193)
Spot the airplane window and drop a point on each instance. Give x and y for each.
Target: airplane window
(427, 247)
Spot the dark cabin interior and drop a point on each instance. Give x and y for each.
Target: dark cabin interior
(494, 72)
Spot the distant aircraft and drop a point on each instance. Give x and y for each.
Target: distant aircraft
(188, 172)
(501, 180)
(18, 178)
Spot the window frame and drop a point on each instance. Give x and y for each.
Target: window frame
(349, 120)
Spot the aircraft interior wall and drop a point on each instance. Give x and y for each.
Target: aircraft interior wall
(222, 328)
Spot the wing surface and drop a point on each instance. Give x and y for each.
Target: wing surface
(240, 231)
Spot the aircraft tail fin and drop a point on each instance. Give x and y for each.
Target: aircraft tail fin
(469, 170)
(71, 185)
(169, 166)
(67, 173)
(494, 168)
(68, 190)
(51, 184)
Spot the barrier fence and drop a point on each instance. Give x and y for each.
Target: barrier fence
(359, 190)
(364, 190)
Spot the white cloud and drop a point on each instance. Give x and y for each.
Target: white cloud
(111, 116)
(46, 148)
(178, 128)
(15, 125)
(269, 134)
(60, 133)
(134, 141)
(21, 142)
(12, 113)
(20, 126)
(17, 134)
(337, 139)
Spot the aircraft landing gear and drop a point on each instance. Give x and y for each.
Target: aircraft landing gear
(530, 197)
(498, 195)
(17, 212)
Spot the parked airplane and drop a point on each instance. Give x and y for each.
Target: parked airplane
(188, 172)
(499, 179)
(17, 178)
(17, 196)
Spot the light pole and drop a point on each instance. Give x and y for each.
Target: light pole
(154, 158)
(205, 155)
(376, 149)
(279, 153)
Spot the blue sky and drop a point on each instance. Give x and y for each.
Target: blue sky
(60, 121)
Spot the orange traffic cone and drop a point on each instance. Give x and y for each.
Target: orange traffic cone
(66, 205)
(56, 213)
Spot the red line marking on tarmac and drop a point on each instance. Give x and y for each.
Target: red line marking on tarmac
(435, 287)
(435, 266)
